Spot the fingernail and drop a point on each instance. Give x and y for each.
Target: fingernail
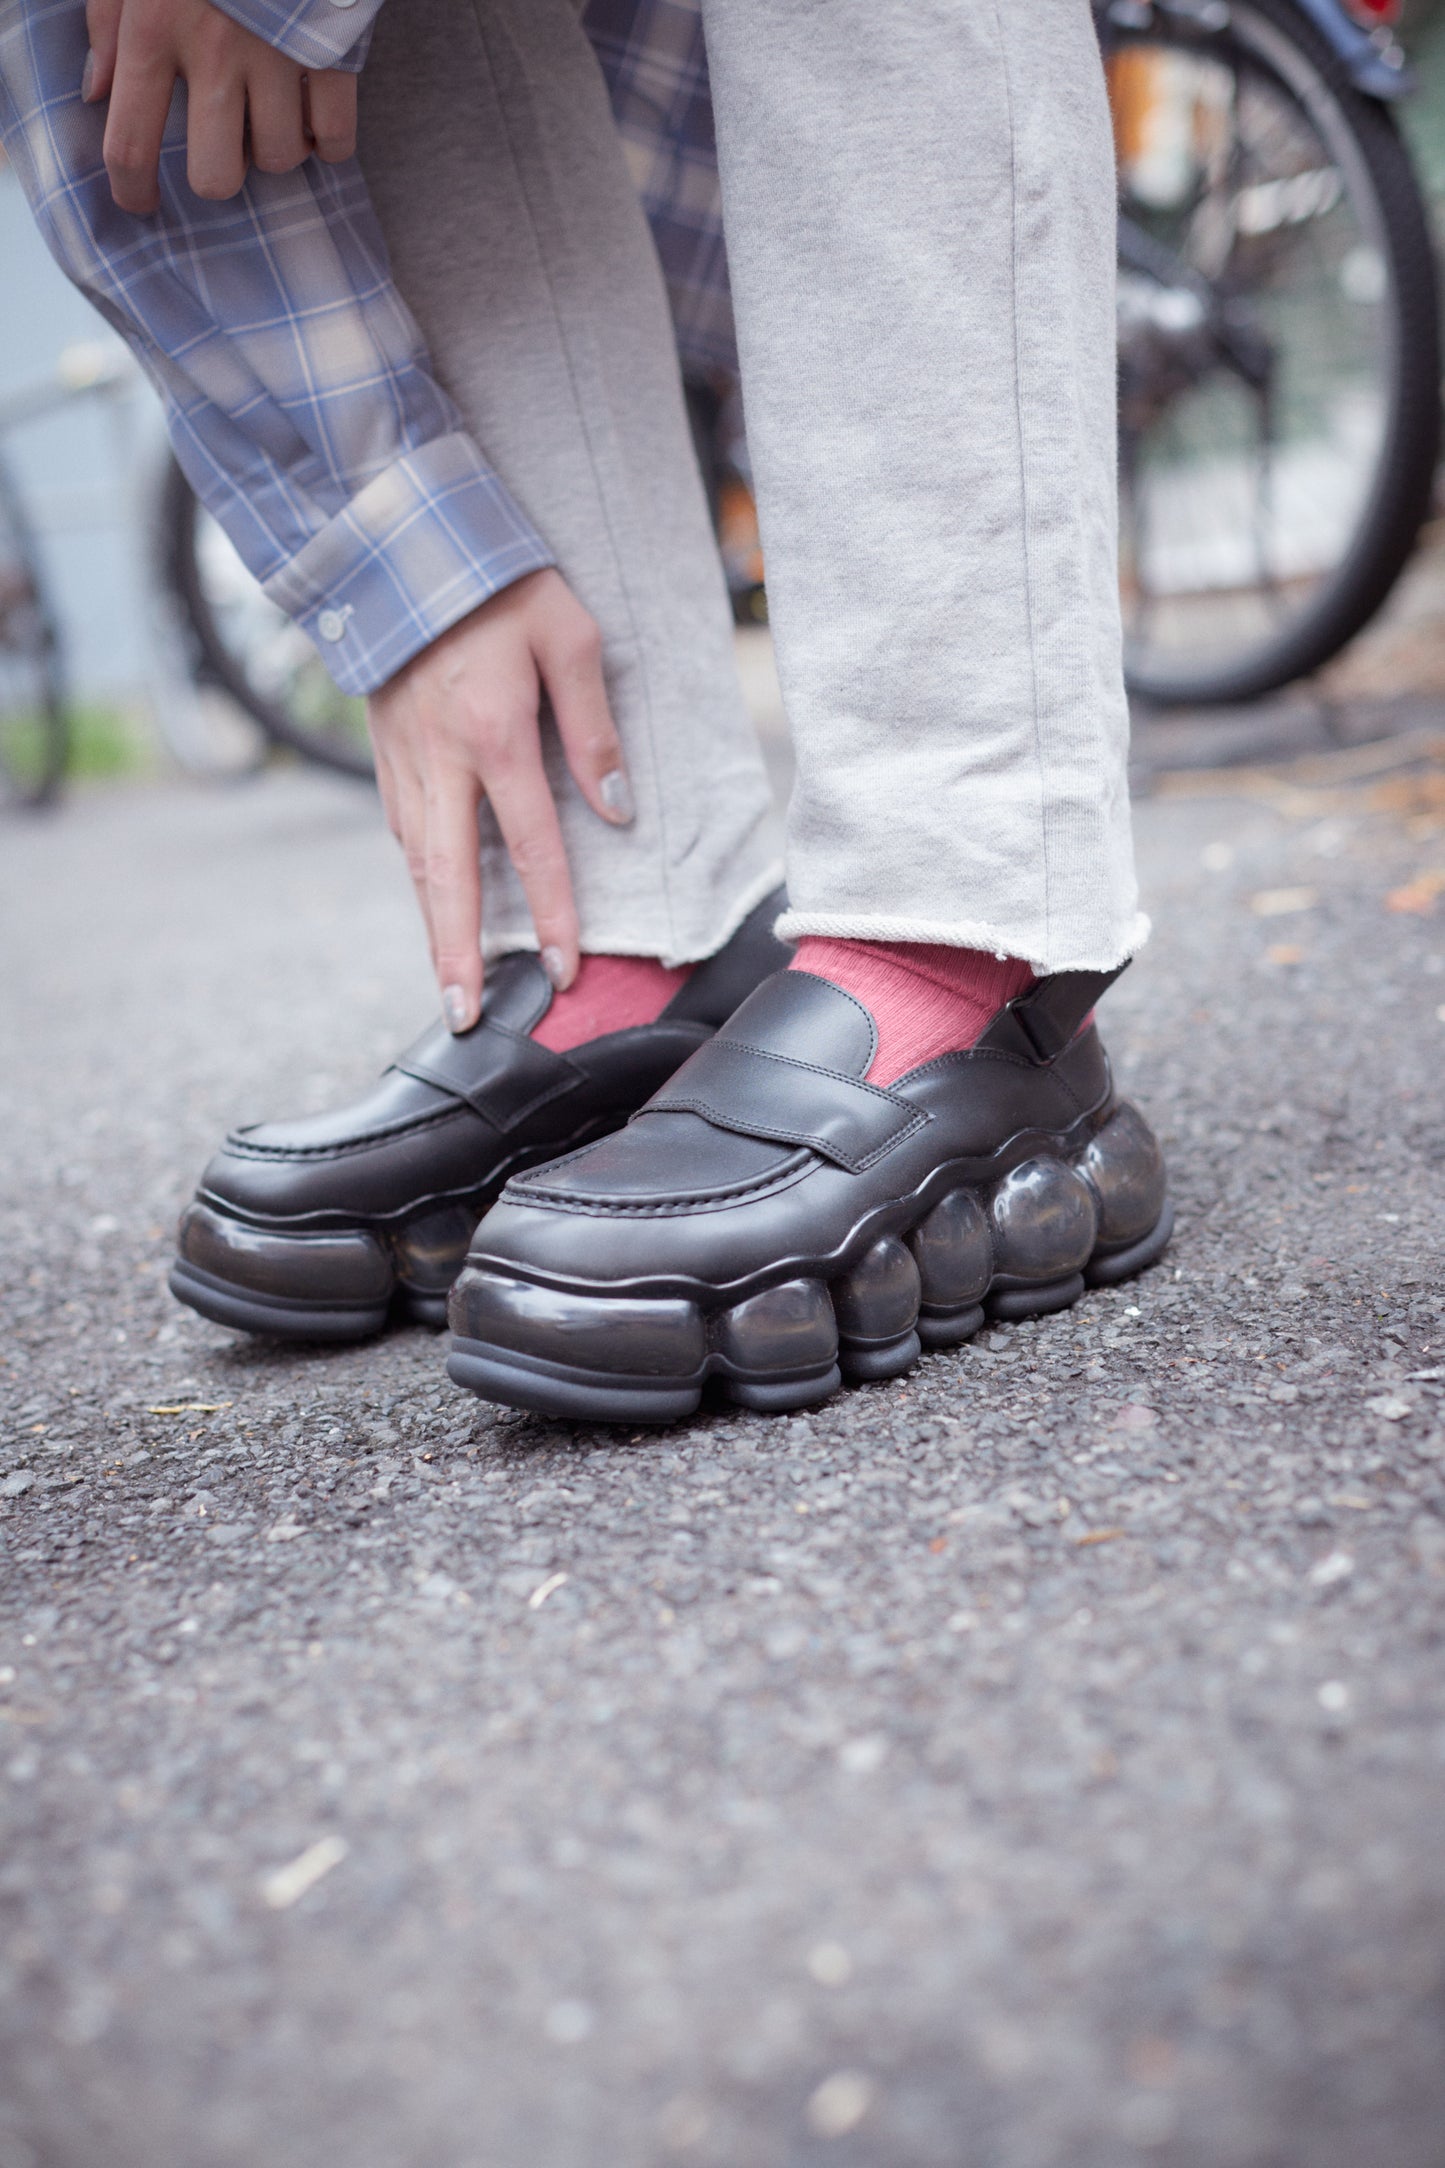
(456, 1008)
(87, 77)
(616, 794)
(554, 963)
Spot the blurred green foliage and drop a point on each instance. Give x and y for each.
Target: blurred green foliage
(106, 742)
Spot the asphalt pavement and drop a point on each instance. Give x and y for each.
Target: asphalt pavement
(1038, 1762)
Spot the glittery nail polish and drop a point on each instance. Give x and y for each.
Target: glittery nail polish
(456, 1008)
(554, 963)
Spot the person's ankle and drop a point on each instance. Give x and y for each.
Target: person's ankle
(609, 993)
(925, 998)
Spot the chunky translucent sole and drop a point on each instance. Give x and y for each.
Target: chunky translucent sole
(1023, 1245)
(333, 1285)
(337, 1283)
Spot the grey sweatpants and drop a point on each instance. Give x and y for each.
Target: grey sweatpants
(919, 205)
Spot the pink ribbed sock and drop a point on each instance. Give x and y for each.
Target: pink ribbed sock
(609, 993)
(925, 999)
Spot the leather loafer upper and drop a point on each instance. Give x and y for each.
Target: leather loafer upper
(454, 1115)
(768, 1154)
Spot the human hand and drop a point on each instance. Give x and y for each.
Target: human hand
(246, 103)
(459, 723)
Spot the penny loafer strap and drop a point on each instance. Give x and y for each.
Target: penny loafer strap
(756, 1093)
(502, 1075)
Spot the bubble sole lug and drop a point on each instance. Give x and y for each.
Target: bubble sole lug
(276, 1317)
(1115, 1266)
(869, 1295)
(764, 1398)
(542, 1388)
(1010, 1305)
(862, 1364)
(937, 1334)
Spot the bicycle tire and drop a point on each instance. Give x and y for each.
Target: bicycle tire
(213, 661)
(30, 629)
(1399, 497)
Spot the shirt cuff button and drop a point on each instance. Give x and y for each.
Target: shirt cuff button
(331, 624)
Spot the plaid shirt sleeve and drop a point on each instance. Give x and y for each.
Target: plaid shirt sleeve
(653, 56)
(298, 392)
(318, 33)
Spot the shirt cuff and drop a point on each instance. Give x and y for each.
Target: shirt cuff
(424, 543)
(318, 33)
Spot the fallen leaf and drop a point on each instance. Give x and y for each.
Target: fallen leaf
(1100, 1535)
(1418, 896)
(286, 1884)
(190, 1407)
(1335, 1567)
(1279, 902)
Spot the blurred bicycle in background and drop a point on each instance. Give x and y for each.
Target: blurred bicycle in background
(242, 650)
(1279, 407)
(1279, 364)
(34, 703)
(230, 680)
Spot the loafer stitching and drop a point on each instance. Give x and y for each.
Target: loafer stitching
(657, 1207)
(798, 1161)
(341, 1148)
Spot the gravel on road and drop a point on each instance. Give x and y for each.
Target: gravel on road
(1038, 1762)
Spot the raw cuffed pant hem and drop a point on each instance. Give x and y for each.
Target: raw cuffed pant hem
(963, 933)
(605, 940)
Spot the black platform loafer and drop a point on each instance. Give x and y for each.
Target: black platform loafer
(318, 1229)
(772, 1223)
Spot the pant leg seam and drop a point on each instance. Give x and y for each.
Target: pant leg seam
(1028, 569)
(564, 341)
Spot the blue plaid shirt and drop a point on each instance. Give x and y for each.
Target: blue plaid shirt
(297, 388)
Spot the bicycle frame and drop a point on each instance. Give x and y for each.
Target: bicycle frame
(1370, 60)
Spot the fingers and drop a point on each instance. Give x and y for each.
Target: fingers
(570, 661)
(453, 902)
(102, 25)
(140, 98)
(459, 975)
(245, 102)
(386, 785)
(331, 114)
(216, 135)
(522, 801)
(275, 109)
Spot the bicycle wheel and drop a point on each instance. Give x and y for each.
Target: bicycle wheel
(248, 649)
(1278, 349)
(34, 717)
